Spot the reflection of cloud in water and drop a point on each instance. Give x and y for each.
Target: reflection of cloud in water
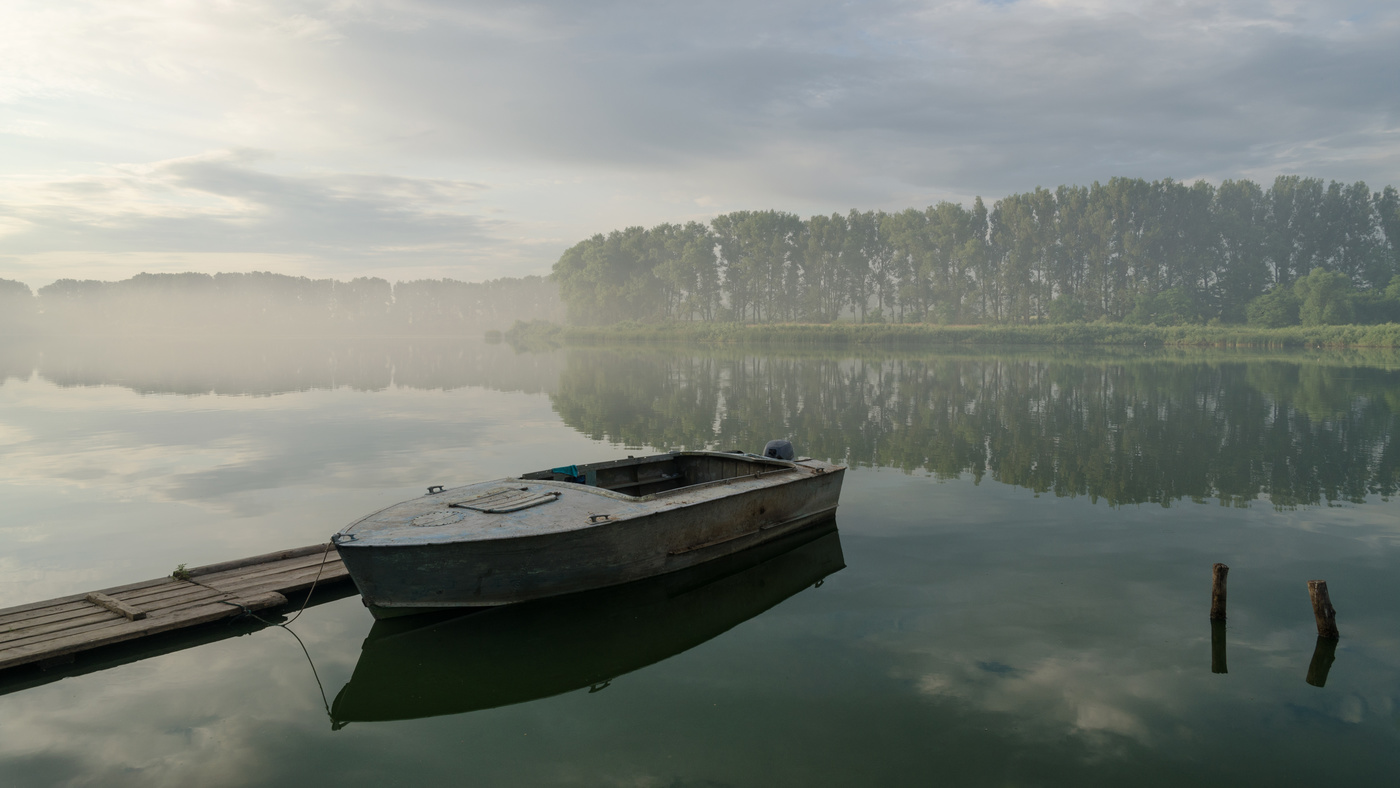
(1102, 700)
(197, 479)
(124, 468)
(1058, 697)
(1063, 621)
(13, 434)
(217, 452)
(163, 722)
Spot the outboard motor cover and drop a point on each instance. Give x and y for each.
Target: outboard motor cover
(779, 450)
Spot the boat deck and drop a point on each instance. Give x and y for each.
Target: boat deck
(53, 631)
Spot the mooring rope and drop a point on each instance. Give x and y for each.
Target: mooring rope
(311, 590)
(284, 624)
(324, 703)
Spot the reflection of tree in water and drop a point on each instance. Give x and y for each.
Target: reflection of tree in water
(1129, 430)
(263, 366)
(1135, 431)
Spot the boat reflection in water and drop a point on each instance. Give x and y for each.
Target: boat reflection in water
(425, 666)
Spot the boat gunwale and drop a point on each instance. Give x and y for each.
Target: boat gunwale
(605, 492)
(793, 466)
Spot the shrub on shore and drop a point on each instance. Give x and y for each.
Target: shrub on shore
(908, 335)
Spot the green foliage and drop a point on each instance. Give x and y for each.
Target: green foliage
(180, 573)
(1325, 298)
(1149, 253)
(538, 334)
(1275, 309)
(924, 335)
(1172, 307)
(1067, 309)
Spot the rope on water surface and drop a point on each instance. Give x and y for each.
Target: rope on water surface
(324, 703)
(284, 625)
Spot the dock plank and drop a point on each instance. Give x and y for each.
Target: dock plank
(101, 620)
(20, 611)
(293, 564)
(127, 630)
(115, 605)
(265, 558)
(72, 626)
(70, 618)
(38, 621)
(289, 584)
(55, 628)
(18, 619)
(165, 595)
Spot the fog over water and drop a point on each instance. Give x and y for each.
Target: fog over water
(1023, 598)
(1124, 426)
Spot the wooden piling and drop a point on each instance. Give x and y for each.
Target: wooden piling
(1324, 654)
(1218, 574)
(1217, 647)
(1323, 611)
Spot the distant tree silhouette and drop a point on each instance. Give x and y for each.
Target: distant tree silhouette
(268, 303)
(1159, 252)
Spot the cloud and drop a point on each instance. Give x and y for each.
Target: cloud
(584, 117)
(222, 202)
(952, 96)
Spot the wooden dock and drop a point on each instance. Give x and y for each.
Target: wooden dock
(53, 632)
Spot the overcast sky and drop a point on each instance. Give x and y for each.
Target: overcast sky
(410, 139)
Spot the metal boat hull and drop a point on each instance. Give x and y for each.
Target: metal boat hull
(663, 533)
(469, 661)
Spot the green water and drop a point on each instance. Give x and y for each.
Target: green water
(1016, 592)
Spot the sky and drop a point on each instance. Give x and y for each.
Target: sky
(412, 139)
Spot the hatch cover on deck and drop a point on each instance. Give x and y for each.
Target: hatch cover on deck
(434, 519)
(506, 499)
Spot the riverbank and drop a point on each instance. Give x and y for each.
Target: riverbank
(906, 335)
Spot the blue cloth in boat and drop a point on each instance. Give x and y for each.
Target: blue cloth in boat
(571, 471)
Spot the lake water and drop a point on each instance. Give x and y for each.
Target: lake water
(1027, 539)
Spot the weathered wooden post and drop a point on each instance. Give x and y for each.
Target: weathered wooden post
(1323, 611)
(1324, 654)
(1217, 647)
(1218, 574)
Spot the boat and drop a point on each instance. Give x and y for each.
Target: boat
(458, 662)
(580, 527)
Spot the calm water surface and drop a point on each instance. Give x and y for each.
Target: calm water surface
(1026, 539)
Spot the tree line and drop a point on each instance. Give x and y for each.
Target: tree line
(1129, 250)
(261, 302)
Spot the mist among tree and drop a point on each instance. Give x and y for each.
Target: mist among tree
(267, 303)
(1129, 250)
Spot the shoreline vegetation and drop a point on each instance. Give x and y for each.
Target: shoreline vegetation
(544, 333)
(1299, 264)
(1130, 263)
(1164, 253)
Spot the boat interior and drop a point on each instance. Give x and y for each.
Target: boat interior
(638, 476)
